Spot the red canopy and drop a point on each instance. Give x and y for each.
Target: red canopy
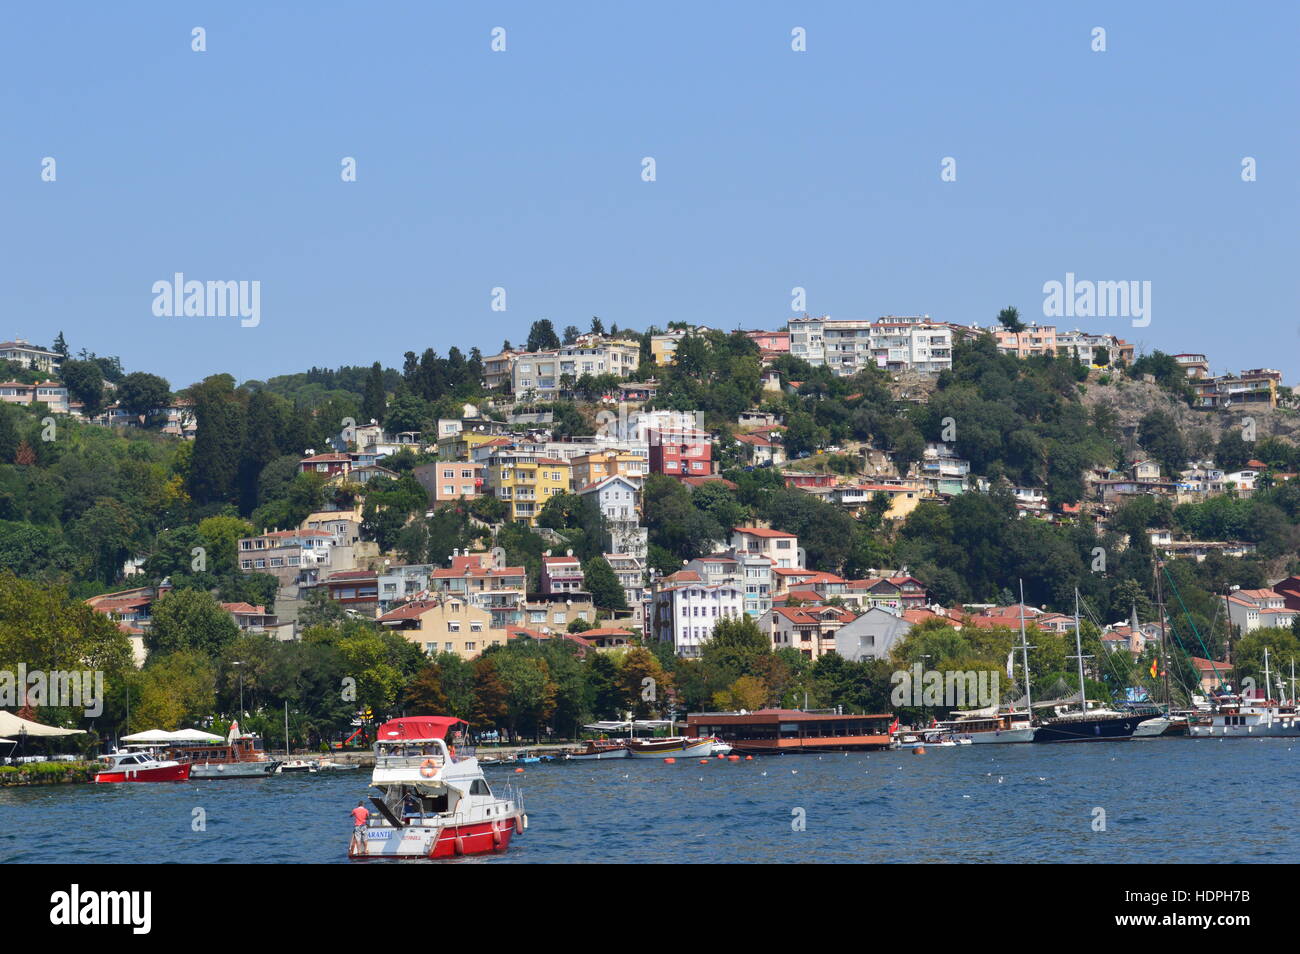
(418, 728)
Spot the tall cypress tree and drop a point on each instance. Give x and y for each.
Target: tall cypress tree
(375, 401)
(214, 467)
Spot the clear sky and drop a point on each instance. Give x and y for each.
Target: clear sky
(523, 169)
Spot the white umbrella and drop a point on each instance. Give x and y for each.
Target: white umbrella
(150, 736)
(11, 724)
(194, 735)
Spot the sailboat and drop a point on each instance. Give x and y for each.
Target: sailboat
(1086, 724)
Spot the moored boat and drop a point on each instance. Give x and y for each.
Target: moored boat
(679, 746)
(1238, 717)
(239, 756)
(433, 802)
(601, 749)
(142, 767)
(988, 725)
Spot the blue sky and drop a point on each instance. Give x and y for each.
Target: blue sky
(522, 169)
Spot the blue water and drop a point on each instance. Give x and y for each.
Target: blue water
(1166, 800)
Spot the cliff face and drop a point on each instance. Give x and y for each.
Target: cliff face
(1132, 400)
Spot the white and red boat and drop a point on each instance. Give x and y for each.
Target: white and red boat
(678, 746)
(433, 801)
(142, 767)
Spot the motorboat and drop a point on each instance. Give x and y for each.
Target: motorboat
(142, 766)
(433, 801)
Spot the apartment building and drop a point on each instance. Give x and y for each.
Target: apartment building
(778, 546)
(525, 481)
(1249, 610)
(681, 453)
(29, 356)
(450, 480)
(685, 613)
(1257, 386)
(445, 624)
(541, 373)
(808, 629)
(630, 570)
(894, 343)
(594, 466)
(1095, 351)
(561, 574)
(501, 591)
(50, 393)
(752, 572)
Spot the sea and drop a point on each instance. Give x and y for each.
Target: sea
(1136, 801)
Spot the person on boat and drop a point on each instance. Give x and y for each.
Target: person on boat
(411, 804)
(359, 816)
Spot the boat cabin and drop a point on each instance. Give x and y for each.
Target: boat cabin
(793, 730)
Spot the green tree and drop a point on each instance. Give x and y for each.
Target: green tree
(189, 619)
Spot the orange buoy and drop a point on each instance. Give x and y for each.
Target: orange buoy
(919, 750)
(749, 758)
(670, 761)
(721, 756)
(704, 761)
(519, 771)
(733, 758)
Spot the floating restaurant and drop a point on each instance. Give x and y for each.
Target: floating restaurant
(771, 731)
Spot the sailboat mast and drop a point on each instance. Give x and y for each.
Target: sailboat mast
(1164, 638)
(1078, 650)
(1268, 690)
(1024, 648)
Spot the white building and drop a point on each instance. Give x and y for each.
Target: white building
(539, 373)
(893, 343)
(686, 613)
(778, 546)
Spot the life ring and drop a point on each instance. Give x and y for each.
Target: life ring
(428, 769)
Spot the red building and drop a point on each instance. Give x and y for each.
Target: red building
(801, 479)
(682, 453)
(327, 464)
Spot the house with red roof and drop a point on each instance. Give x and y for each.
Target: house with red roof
(444, 624)
(808, 629)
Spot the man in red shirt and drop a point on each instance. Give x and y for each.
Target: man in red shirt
(359, 815)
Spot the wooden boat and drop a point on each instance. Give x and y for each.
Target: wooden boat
(675, 746)
(240, 756)
(600, 749)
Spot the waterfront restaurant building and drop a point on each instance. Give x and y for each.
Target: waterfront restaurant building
(773, 731)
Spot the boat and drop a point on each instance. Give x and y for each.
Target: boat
(329, 765)
(1090, 722)
(239, 756)
(599, 750)
(1239, 717)
(988, 725)
(677, 746)
(299, 766)
(433, 800)
(142, 767)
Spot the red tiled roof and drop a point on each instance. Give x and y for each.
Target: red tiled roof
(763, 532)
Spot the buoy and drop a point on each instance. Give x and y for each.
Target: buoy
(497, 837)
(749, 758)
(919, 750)
(428, 769)
(670, 761)
(519, 824)
(733, 758)
(704, 761)
(721, 755)
(458, 845)
(519, 771)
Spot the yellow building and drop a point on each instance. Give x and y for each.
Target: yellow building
(596, 466)
(444, 625)
(526, 481)
(461, 446)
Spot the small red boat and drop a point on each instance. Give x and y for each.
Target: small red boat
(142, 767)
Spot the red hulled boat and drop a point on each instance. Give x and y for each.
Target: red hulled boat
(142, 767)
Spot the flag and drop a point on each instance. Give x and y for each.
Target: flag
(1155, 664)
